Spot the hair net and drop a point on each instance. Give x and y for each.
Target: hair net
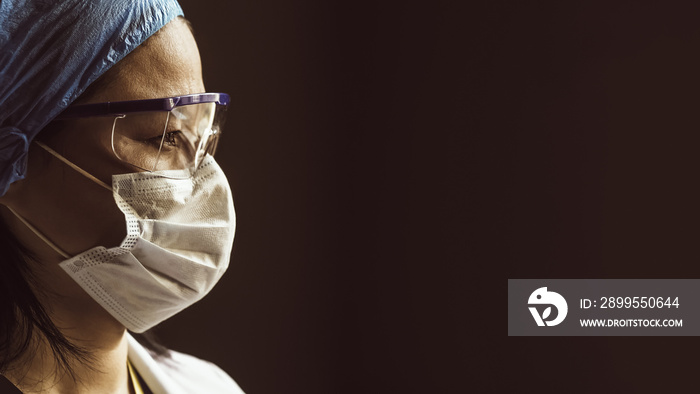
(50, 51)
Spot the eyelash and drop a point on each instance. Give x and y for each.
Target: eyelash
(169, 139)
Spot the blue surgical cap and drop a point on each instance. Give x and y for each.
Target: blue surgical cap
(50, 51)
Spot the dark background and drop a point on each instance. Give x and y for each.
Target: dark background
(394, 162)
(344, 148)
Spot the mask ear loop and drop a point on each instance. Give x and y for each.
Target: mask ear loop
(73, 166)
(39, 234)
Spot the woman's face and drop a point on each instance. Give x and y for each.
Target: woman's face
(68, 208)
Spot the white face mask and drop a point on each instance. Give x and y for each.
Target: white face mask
(178, 244)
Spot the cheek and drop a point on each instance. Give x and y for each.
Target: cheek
(89, 217)
(87, 143)
(83, 214)
(71, 210)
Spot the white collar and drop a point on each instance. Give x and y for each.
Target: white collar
(154, 376)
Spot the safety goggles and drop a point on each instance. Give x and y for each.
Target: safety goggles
(173, 133)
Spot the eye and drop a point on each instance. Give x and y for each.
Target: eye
(170, 139)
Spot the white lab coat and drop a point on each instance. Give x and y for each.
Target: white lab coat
(179, 373)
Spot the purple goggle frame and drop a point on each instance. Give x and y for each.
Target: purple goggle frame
(120, 109)
(125, 107)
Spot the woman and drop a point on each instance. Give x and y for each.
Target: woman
(115, 216)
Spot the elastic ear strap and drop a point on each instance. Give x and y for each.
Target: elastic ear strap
(39, 234)
(73, 166)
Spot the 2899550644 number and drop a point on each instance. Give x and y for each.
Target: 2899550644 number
(638, 302)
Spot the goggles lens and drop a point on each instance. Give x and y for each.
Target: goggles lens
(168, 140)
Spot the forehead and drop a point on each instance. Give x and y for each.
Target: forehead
(165, 65)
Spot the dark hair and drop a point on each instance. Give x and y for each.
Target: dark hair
(21, 313)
